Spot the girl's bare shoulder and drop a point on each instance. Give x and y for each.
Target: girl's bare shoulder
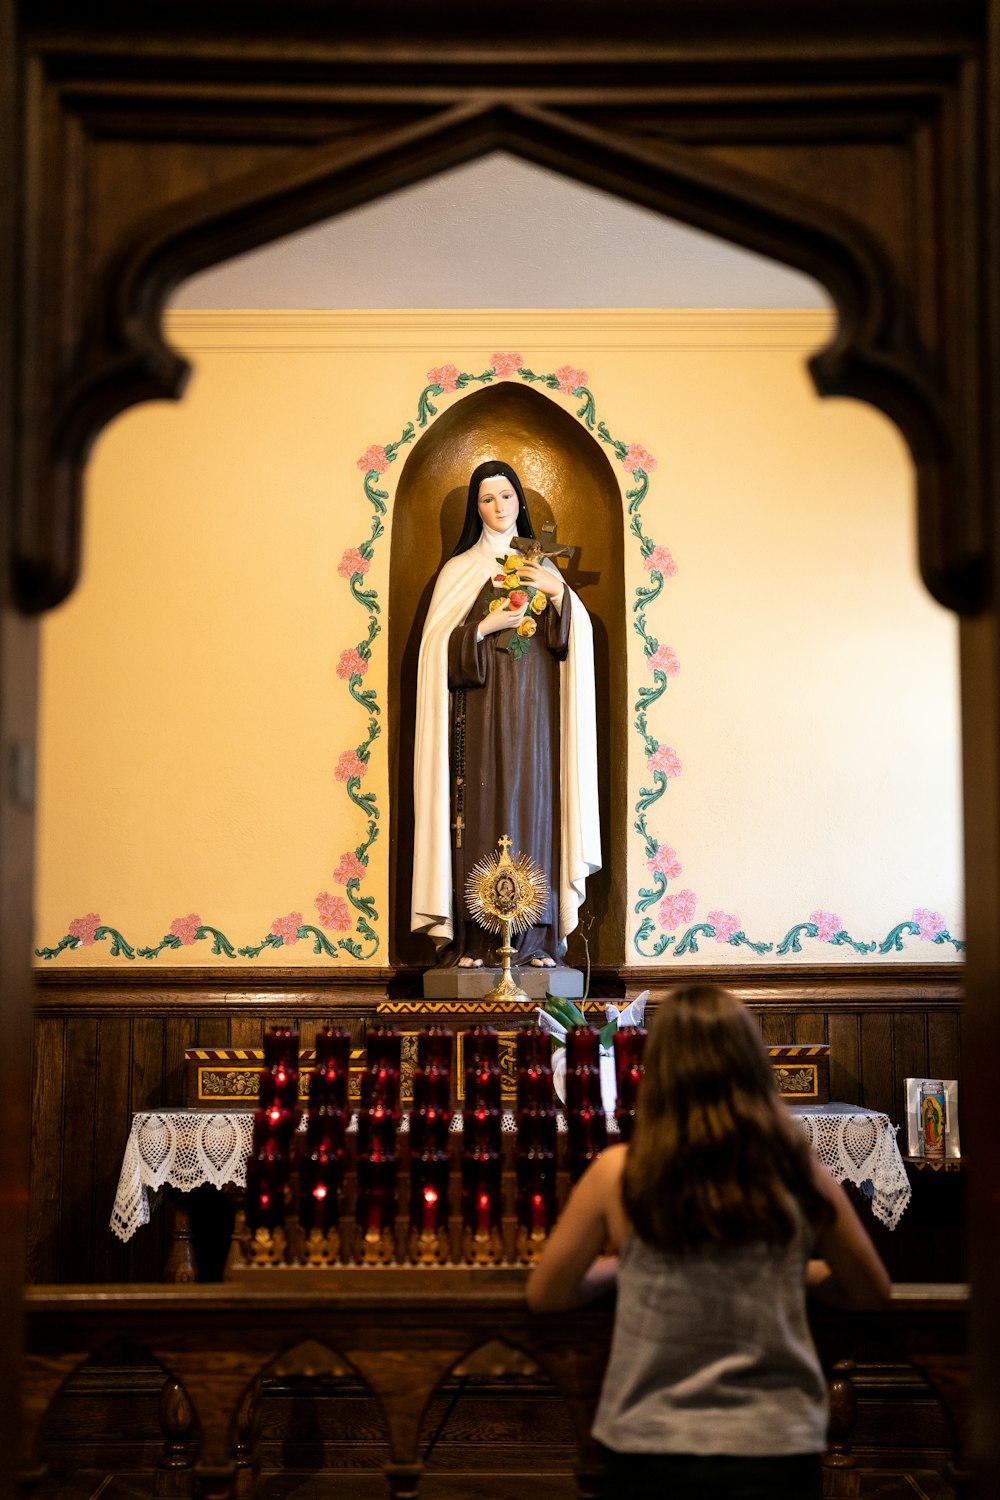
(611, 1163)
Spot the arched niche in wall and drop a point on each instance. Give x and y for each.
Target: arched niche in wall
(567, 479)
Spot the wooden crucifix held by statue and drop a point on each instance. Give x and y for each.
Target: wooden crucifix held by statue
(536, 547)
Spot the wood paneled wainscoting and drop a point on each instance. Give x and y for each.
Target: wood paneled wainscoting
(111, 1042)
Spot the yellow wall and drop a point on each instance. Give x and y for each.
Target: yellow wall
(192, 715)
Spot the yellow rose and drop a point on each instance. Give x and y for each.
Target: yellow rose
(512, 581)
(496, 604)
(527, 627)
(512, 563)
(539, 603)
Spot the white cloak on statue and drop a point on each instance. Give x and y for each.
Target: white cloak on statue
(458, 585)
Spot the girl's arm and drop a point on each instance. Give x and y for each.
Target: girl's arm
(851, 1273)
(572, 1269)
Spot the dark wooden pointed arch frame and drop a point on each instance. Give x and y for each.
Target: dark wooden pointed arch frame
(858, 142)
(901, 304)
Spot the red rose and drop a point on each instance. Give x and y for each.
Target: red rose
(518, 598)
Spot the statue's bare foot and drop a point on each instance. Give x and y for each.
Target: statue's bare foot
(542, 961)
(466, 962)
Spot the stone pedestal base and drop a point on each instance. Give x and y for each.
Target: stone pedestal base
(473, 984)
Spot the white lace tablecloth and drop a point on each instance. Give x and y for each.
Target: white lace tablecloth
(859, 1146)
(187, 1148)
(184, 1148)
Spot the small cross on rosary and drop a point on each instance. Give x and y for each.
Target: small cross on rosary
(459, 822)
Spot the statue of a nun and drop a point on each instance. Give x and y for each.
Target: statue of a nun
(505, 738)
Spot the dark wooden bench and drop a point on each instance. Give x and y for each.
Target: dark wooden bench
(403, 1331)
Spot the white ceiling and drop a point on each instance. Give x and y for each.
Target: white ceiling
(499, 232)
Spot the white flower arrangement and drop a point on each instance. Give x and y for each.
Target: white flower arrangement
(558, 1015)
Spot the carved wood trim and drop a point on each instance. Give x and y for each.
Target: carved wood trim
(317, 992)
(662, 144)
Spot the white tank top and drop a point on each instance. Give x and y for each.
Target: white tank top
(712, 1354)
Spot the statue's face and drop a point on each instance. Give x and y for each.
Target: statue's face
(498, 503)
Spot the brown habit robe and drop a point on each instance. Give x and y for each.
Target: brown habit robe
(505, 743)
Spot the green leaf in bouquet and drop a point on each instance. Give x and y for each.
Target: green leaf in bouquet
(564, 1011)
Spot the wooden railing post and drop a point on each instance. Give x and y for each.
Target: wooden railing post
(172, 1479)
(841, 1478)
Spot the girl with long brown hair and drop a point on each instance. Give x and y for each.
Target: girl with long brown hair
(720, 1217)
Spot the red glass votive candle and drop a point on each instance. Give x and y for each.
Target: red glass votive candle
(265, 1192)
(273, 1129)
(319, 1184)
(482, 1045)
(429, 1192)
(629, 1044)
(432, 1091)
(585, 1120)
(482, 1069)
(536, 1132)
(583, 1074)
(380, 1080)
(331, 1070)
(333, 1045)
(384, 1049)
(435, 1045)
(534, 1048)
(325, 1131)
(481, 1202)
(283, 1096)
(583, 1047)
(534, 1089)
(482, 1085)
(328, 1088)
(536, 1191)
(380, 1093)
(588, 1137)
(430, 1116)
(281, 1045)
(281, 1065)
(376, 1207)
(327, 1095)
(481, 1130)
(377, 1133)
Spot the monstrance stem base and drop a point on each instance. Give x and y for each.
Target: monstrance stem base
(506, 987)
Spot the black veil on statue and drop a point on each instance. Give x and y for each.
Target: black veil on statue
(473, 528)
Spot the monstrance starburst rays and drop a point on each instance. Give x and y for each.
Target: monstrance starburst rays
(505, 892)
(506, 895)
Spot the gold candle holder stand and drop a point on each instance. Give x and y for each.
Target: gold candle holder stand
(482, 1247)
(429, 1247)
(529, 1244)
(375, 1247)
(265, 1247)
(319, 1249)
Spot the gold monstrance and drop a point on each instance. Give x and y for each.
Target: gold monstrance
(505, 894)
